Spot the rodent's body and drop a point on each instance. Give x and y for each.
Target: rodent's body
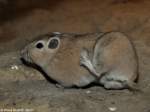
(112, 59)
(65, 66)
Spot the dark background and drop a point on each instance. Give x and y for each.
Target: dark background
(22, 20)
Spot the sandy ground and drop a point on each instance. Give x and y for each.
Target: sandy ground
(22, 87)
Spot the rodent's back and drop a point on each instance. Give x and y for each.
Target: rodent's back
(116, 52)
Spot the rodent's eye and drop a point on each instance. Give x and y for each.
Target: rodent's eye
(53, 44)
(39, 45)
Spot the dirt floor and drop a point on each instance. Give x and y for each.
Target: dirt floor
(24, 88)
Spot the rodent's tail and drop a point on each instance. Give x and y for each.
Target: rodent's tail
(133, 86)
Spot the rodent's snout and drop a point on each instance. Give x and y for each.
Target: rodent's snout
(22, 53)
(25, 55)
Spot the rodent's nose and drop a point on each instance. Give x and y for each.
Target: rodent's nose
(23, 52)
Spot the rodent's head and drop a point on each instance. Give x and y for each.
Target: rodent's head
(41, 51)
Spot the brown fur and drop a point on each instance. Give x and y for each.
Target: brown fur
(64, 65)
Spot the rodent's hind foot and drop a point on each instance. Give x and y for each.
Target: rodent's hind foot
(118, 85)
(114, 85)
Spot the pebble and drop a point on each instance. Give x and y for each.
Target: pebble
(14, 67)
(88, 92)
(112, 109)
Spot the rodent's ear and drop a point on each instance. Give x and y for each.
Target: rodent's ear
(53, 43)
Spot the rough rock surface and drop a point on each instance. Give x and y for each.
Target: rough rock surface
(22, 87)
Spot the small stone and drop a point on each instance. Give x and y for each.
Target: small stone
(112, 109)
(14, 67)
(88, 92)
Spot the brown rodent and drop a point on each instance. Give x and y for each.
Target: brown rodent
(80, 59)
(59, 57)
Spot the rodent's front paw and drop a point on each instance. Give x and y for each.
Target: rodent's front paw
(83, 57)
(82, 61)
